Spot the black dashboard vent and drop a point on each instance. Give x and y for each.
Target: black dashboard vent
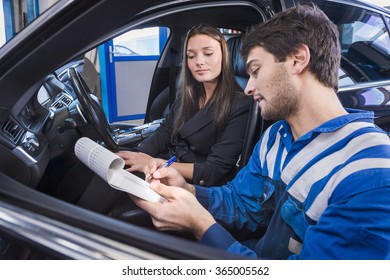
(62, 101)
(12, 130)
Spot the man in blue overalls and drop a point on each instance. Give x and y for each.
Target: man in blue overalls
(318, 179)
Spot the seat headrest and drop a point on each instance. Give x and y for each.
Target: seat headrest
(239, 69)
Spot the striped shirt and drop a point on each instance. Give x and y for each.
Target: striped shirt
(324, 196)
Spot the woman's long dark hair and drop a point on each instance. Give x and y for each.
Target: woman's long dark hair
(192, 91)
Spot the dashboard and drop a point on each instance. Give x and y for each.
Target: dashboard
(47, 126)
(30, 138)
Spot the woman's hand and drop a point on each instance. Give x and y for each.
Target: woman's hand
(134, 160)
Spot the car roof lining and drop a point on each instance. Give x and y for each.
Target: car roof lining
(234, 17)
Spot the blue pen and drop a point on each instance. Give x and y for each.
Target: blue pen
(168, 163)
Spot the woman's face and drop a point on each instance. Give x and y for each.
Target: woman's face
(204, 58)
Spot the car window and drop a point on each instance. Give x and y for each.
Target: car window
(365, 48)
(365, 43)
(140, 42)
(130, 60)
(17, 15)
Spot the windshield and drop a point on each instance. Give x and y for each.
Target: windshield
(17, 15)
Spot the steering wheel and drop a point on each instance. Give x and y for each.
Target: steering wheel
(93, 112)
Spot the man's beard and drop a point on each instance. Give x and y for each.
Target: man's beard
(284, 100)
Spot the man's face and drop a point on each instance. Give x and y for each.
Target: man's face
(271, 85)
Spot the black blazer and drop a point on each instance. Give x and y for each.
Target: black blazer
(214, 159)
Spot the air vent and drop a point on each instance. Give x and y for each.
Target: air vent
(63, 101)
(12, 130)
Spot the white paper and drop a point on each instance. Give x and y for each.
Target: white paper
(109, 167)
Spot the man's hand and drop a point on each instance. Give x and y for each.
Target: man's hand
(180, 210)
(167, 175)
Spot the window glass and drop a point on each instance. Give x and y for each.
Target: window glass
(344, 79)
(372, 30)
(365, 48)
(365, 43)
(17, 15)
(140, 42)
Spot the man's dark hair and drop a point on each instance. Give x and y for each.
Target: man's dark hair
(303, 24)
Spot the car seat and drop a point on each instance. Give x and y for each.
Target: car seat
(367, 62)
(160, 105)
(238, 63)
(255, 124)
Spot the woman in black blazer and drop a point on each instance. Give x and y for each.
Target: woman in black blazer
(206, 126)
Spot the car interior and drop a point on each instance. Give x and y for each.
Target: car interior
(39, 168)
(164, 98)
(54, 173)
(165, 80)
